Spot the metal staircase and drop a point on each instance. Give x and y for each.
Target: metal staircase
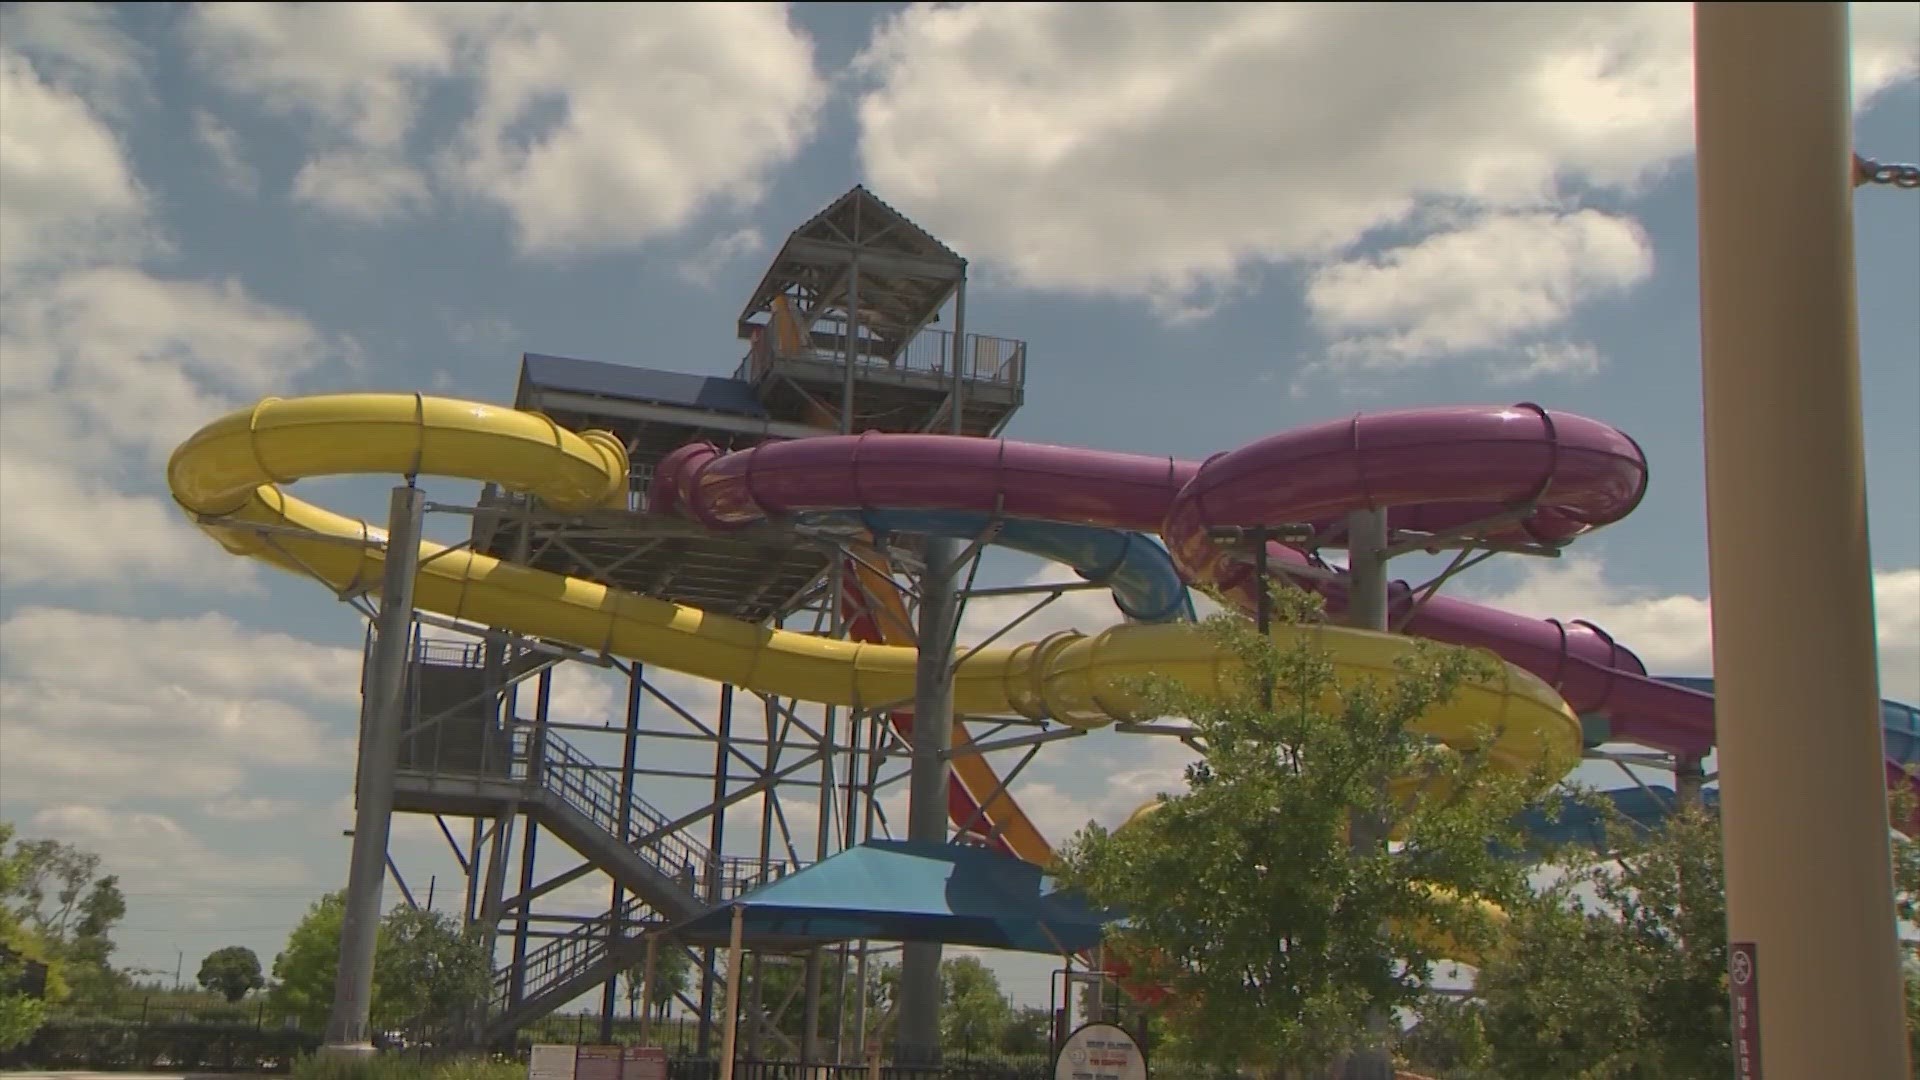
(461, 760)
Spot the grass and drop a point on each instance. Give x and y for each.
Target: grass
(406, 1067)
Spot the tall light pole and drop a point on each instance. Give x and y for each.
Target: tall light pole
(1815, 969)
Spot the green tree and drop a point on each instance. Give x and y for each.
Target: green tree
(1278, 937)
(303, 972)
(1618, 967)
(426, 967)
(21, 1013)
(231, 972)
(672, 975)
(1028, 1031)
(58, 898)
(973, 1011)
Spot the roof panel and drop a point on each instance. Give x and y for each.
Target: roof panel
(629, 383)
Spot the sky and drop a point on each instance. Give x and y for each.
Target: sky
(1209, 225)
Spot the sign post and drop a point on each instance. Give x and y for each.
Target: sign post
(1100, 1051)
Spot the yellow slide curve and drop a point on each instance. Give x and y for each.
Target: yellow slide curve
(228, 475)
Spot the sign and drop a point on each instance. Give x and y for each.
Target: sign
(644, 1063)
(597, 1063)
(550, 1061)
(1743, 977)
(1100, 1052)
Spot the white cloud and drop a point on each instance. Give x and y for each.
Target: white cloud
(104, 366)
(78, 45)
(349, 67)
(155, 846)
(222, 145)
(1572, 359)
(121, 707)
(591, 127)
(705, 266)
(365, 186)
(1166, 151)
(1498, 280)
(65, 186)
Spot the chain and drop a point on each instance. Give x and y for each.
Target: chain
(1869, 171)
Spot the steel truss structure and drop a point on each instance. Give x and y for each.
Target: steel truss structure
(655, 801)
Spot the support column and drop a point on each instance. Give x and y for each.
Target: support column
(716, 843)
(383, 710)
(919, 1013)
(1802, 782)
(1689, 778)
(616, 923)
(1367, 610)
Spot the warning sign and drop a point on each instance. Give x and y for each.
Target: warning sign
(1743, 978)
(1100, 1052)
(550, 1061)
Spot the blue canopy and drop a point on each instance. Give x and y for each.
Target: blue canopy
(901, 890)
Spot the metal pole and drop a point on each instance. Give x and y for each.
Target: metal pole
(629, 753)
(730, 1024)
(853, 342)
(919, 1030)
(716, 840)
(646, 990)
(1689, 776)
(1367, 610)
(1802, 786)
(530, 839)
(959, 356)
(383, 707)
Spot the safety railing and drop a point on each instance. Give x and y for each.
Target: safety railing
(561, 959)
(587, 788)
(983, 358)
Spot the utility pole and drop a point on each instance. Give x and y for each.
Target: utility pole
(1810, 911)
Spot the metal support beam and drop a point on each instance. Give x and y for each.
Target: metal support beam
(919, 1011)
(1801, 755)
(1367, 554)
(629, 752)
(383, 711)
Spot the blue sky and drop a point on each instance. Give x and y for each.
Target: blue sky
(1209, 226)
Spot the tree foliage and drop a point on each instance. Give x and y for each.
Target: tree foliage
(57, 909)
(974, 1013)
(1277, 936)
(672, 975)
(231, 972)
(21, 1012)
(1617, 968)
(427, 968)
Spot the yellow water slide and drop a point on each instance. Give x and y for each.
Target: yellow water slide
(230, 477)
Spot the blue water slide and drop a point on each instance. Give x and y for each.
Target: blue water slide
(1134, 566)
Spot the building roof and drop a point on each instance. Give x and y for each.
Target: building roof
(903, 890)
(906, 274)
(623, 382)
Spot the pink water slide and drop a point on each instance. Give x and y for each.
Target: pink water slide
(1518, 474)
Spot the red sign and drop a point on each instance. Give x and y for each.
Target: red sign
(644, 1063)
(1743, 977)
(597, 1063)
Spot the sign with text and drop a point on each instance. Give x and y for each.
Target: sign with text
(1743, 978)
(1100, 1052)
(597, 1063)
(644, 1063)
(550, 1061)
